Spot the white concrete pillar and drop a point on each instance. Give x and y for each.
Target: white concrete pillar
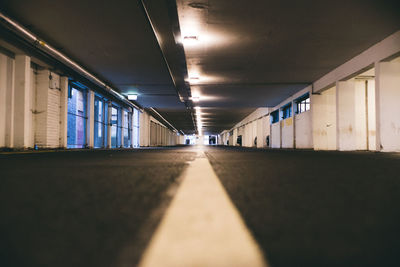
(324, 118)
(345, 100)
(371, 109)
(234, 137)
(10, 96)
(294, 125)
(64, 112)
(3, 98)
(360, 114)
(22, 113)
(108, 141)
(90, 119)
(387, 86)
(337, 116)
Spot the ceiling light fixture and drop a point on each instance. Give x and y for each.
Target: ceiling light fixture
(193, 38)
(132, 96)
(195, 98)
(194, 79)
(190, 40)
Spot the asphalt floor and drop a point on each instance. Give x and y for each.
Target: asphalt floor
(100, 208)
(310, 208)
(84, 208)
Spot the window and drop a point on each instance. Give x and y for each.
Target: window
(127, 128)
(286, 111)
(275, 116)
(115, 127)
(135, 127)
(100, 122)
(302, 103)
(76, 132)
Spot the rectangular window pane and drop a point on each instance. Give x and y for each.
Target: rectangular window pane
(114, 127)
(76, 132)
(99, 125)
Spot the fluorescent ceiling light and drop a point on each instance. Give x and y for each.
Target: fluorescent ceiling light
(195, 98)
(190, 40)
(132, 96)
(194, 79)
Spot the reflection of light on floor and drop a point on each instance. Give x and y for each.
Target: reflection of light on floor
(202, 227)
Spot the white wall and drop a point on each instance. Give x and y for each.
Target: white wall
(371, 115)
(353, 109)
(360, 110)
(347, 138)
(287, 133)
(303, 130)
(388, 98)
(276, 135)
(263, 129)
(154, 133)
(144, 130)
(234, 138)
(346, 114)
(6, 101)
(254, 125)
(323, 112)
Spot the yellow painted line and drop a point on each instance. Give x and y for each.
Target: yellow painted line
(202, 227)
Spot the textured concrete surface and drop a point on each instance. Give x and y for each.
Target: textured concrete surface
(84, 208)
(100, 208)
(309, 208)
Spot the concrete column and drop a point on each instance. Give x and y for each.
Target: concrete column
(122, 126)
(377, 107)
(324, 117)
(144, 135)
(22, 101)
(337, 116)
(346, 124)
(10, 96)
(64, 112)
(3, 102)
(387, 86)
(90, 119)
(294, 124)
(108, 141)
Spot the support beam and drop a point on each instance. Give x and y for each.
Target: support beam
(22, 101)
(63, 112)
(3, 98)
(380, 51)
(387, 105)
(90, 120)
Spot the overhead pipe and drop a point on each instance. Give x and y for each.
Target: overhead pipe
(35, 41)
(158, 114)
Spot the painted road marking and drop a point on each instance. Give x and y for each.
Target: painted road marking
(202, 227)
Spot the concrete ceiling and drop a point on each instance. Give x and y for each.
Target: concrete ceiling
(247, 54)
